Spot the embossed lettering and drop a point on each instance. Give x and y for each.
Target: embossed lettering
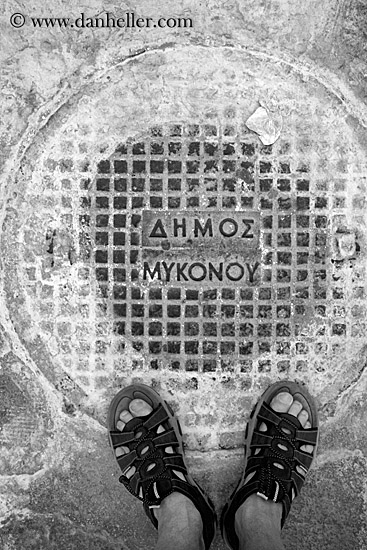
(152, 274)
(251, 271)
(168, 269)
(158, 230)
(193, 271)
(208, 228)
(180, 272)
(232, 227)
(246, 234)
(177, 226)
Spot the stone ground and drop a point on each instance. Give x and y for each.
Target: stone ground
(70, 98)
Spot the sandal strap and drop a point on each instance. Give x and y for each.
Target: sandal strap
(158, 482)
(140, 435)
(164, 439)
(283, 448)
(158, 416)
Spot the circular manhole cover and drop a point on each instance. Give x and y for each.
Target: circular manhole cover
(157, 239)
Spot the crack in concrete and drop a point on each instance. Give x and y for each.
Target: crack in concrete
(27, 513)
(330, 457)
(340, 11)
(337, 88)
(362, 533)
(24, 480)
(344, 391)
(20, 351)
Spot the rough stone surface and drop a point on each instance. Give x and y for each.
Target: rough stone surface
(70, 99)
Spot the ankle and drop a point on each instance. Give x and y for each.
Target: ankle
(257, 511)
(176, 505)
(179, 524)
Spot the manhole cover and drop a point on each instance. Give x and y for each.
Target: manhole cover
(210, 248)
(187, 254)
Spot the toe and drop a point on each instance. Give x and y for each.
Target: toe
(121, 451)
(139, 407)
(307, 448)
(129, 472)
(281, 402)
(120, 425)
(295, 408)
(125, 416)
(303, 417)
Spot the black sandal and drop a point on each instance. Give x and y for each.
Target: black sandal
(148, 448)
(269, 481)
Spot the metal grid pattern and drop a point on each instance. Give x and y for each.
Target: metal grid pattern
(195, 327)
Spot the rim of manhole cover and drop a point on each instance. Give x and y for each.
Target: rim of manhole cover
(187, 254)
